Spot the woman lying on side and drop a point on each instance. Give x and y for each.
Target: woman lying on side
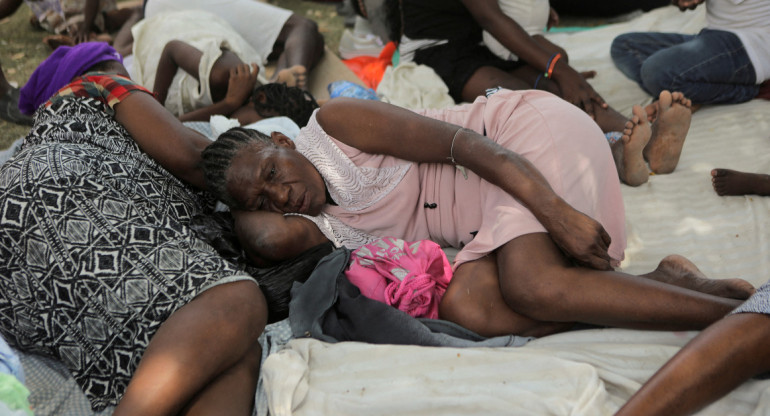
(522, 182)
(100, 266)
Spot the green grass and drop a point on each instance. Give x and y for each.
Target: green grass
(22, 49)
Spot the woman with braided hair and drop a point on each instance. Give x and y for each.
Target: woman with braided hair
(521, 182)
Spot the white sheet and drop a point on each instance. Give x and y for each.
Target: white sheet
(588, 372)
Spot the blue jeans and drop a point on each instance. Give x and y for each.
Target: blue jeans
(711, 67)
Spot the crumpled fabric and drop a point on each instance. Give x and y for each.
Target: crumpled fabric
(410, 276)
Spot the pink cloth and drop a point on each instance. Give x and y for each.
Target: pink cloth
(411, 277)
(565, 145)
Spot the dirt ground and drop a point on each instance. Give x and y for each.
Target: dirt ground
(21, 47)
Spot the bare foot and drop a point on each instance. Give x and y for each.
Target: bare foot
(632, 168)
(295, 76)
(54, 41)
(678, 271)
(672, 121)
(732, 182)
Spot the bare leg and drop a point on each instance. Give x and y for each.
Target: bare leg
(627, 152)
(716, 361)
(473, 300)
(732, 182)
(490, 77)
(540, 292)
(678, 271)
(672, 121)
(299, 43)
(207, 346)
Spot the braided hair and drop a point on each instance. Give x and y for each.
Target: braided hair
(218, 157)
(292, 102)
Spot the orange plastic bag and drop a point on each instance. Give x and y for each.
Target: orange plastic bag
(371, 69)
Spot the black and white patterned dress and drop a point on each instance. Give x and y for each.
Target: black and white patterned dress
(96, 251)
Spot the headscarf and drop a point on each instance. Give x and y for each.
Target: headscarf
(65, 63)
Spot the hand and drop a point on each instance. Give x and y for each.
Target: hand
(575, 89)
(687, 4)
(581, 238)
(553, 19)
(79, 33)
(241, 84)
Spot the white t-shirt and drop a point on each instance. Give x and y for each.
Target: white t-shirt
(257, 22)
(750, 21)
(531, 15)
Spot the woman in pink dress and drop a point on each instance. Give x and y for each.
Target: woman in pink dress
(523, 183)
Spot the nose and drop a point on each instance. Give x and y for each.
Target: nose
(278, 194)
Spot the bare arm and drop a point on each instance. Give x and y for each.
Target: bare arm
(163, 137)
(269, 237)
(9, 7)
(83, 30)
(176, 54)
(379, 128)
(180, 55)
(573, 86)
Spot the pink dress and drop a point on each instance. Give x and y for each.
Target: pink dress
(383, 196)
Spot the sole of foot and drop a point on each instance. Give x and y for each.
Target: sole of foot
(669, 130)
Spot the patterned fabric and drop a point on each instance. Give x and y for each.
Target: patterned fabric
(759, 302)
(110, 89)
(351, 187)
(96, 246)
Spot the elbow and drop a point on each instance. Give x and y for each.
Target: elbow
(264, 245)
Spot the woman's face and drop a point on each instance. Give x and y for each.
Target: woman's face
(276, 178)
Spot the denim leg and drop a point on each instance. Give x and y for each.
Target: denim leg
(711, 68)
(630, 50)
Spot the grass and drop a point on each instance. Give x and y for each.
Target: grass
(22, 49)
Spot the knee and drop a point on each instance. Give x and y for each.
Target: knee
(305, 30)
(623, 56)
(240, 310)
(532, 293)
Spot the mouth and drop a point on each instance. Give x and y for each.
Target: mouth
(301, 205)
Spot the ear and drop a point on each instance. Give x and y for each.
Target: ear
(282, 140)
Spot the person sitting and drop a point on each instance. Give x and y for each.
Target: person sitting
(101, 268)
(719, 359)
(521, 182)
(76, 21)
(276, 34)
(447, 35)
(723, 64)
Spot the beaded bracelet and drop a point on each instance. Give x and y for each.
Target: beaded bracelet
(551, 64)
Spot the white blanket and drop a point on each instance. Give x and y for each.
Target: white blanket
(589, 372)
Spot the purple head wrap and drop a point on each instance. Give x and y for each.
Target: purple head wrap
(65, 63)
